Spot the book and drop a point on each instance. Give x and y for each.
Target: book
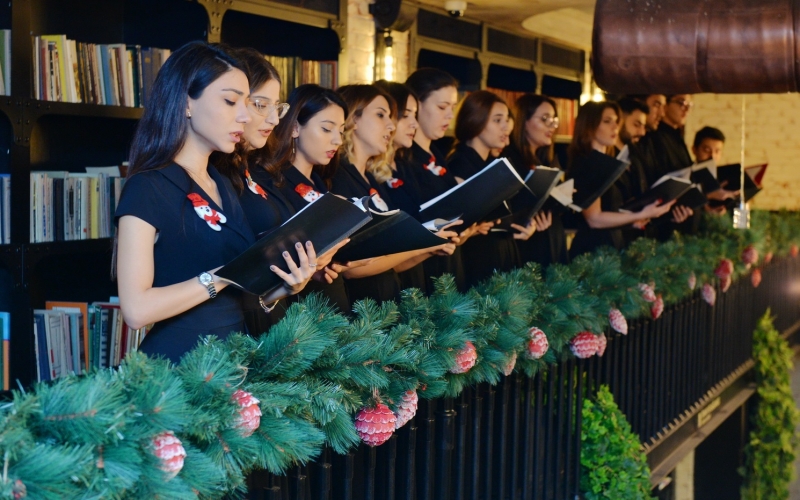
(732, 175)
(531, 199)
(666, 189)
(595, 180)
(81, 308)
(703, 173)
(757, 172)
(477, 196)
(5, 334)
(325, 223)
(390, 233)
(693, 198)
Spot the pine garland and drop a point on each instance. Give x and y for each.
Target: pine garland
(101, 435)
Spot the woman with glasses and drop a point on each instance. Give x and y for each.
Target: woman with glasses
(532, 146)
(264, 205)
(178, 219)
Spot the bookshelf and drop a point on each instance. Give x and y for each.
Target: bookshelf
(41, 135)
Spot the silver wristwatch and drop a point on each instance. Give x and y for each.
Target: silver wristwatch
(208, 281)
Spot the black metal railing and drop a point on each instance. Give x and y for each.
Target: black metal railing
(520, 439)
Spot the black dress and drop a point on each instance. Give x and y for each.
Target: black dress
(192, 238)
(299, 191)
(404, 192)
(544, 247)
(348, 182)
(482, 255)
(431, 178)
(588, 239)
(632, 184)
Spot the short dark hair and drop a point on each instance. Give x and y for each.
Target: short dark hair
(708, 133)
(628, 105)
(426, 81)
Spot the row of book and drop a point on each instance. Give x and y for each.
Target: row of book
(5, 209)
(567, 110)
(295, 72)
(74, 206)
(74, 337)
(5, 62)
(5, 335)
(114, 74)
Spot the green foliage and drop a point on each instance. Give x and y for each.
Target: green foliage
(772, 447)
(613, 464)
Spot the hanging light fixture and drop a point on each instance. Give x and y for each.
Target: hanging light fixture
(387, 72)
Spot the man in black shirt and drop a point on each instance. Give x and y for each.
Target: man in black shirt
(671, 153)
(707, 145)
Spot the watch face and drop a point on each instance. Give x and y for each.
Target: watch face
(205, 278)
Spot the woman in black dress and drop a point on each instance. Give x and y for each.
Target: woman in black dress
(178, 219)
(483, 124)
(596, 128)
(367, 136)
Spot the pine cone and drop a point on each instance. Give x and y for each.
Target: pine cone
(755, 278)
(657, 308)
(508, 369)
(749, 255)
(618, 321)
(406, 409)
(709, 294)
(465, 359)
(375, 425)
(725, 283)
(538, 344)
(648, 294)
(768, 257)
(724, 269)
(793, 251)
(169, 450)
(692, 281)
(249, 412)
(602, 342)
(584, 345)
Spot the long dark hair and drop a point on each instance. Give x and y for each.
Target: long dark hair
(589, 117)
(400, 92)
(161, 132)
(426, 81)
(259, 71)
(474, 114)
(524, 108)
(305, 102)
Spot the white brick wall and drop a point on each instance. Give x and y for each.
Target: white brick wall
(771, 136)
(360, 42)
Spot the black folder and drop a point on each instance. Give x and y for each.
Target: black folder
(530, 199)
(325, 222)
(666, 189)
(386, 234)
(732, 174)
(603, 171)
(693, 198)
(476, 197)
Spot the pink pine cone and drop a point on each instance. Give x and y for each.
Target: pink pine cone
(709, 294)
(768, 257)
(249, 412)
(692, 281)
(755, 278)
(657, 308)
(618, 321)
(375, 425)
(406, 409)
(537, 346)
(793, 251)
(749, 255)
(169, 450)
(602, 342)
(465, 359)
(508, 369)
(648, 294)
(584, 345)
(725, 283)
(724, 269)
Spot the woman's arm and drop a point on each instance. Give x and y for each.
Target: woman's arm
(142, 303)
(598, 219)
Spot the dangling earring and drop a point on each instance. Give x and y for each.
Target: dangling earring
(293, 141)
(188, 114)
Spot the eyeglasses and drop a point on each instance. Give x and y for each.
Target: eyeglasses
(683, 103)
(264, 108)
(549, 121)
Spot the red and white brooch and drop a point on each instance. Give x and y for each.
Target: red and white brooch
(205, 212)
(394, 183)
(434, 168)
(307, 192)
(378, 201)
(252, 186)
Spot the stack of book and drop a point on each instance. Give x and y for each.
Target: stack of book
(74, 206)
(5, 209)
(114, 74)
(74, 337)
(5, 62)
(296, 72)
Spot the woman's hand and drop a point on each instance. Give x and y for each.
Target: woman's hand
(655, 209)
(444, 250)
(680, 213)
(543, 220)
(451, 235)
(325, 259)
(524, 232)
(298, 276)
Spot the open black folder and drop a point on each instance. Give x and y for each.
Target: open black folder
(666, 189)
(604, 171)
(325, 222)
(703, 173)
(476, 197)
(389, 233)
(732, 174)
(693, 198)
(530, 199)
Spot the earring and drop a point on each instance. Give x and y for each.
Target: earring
(188, 114)
(293, 141)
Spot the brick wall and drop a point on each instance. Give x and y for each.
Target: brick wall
(771, 136)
